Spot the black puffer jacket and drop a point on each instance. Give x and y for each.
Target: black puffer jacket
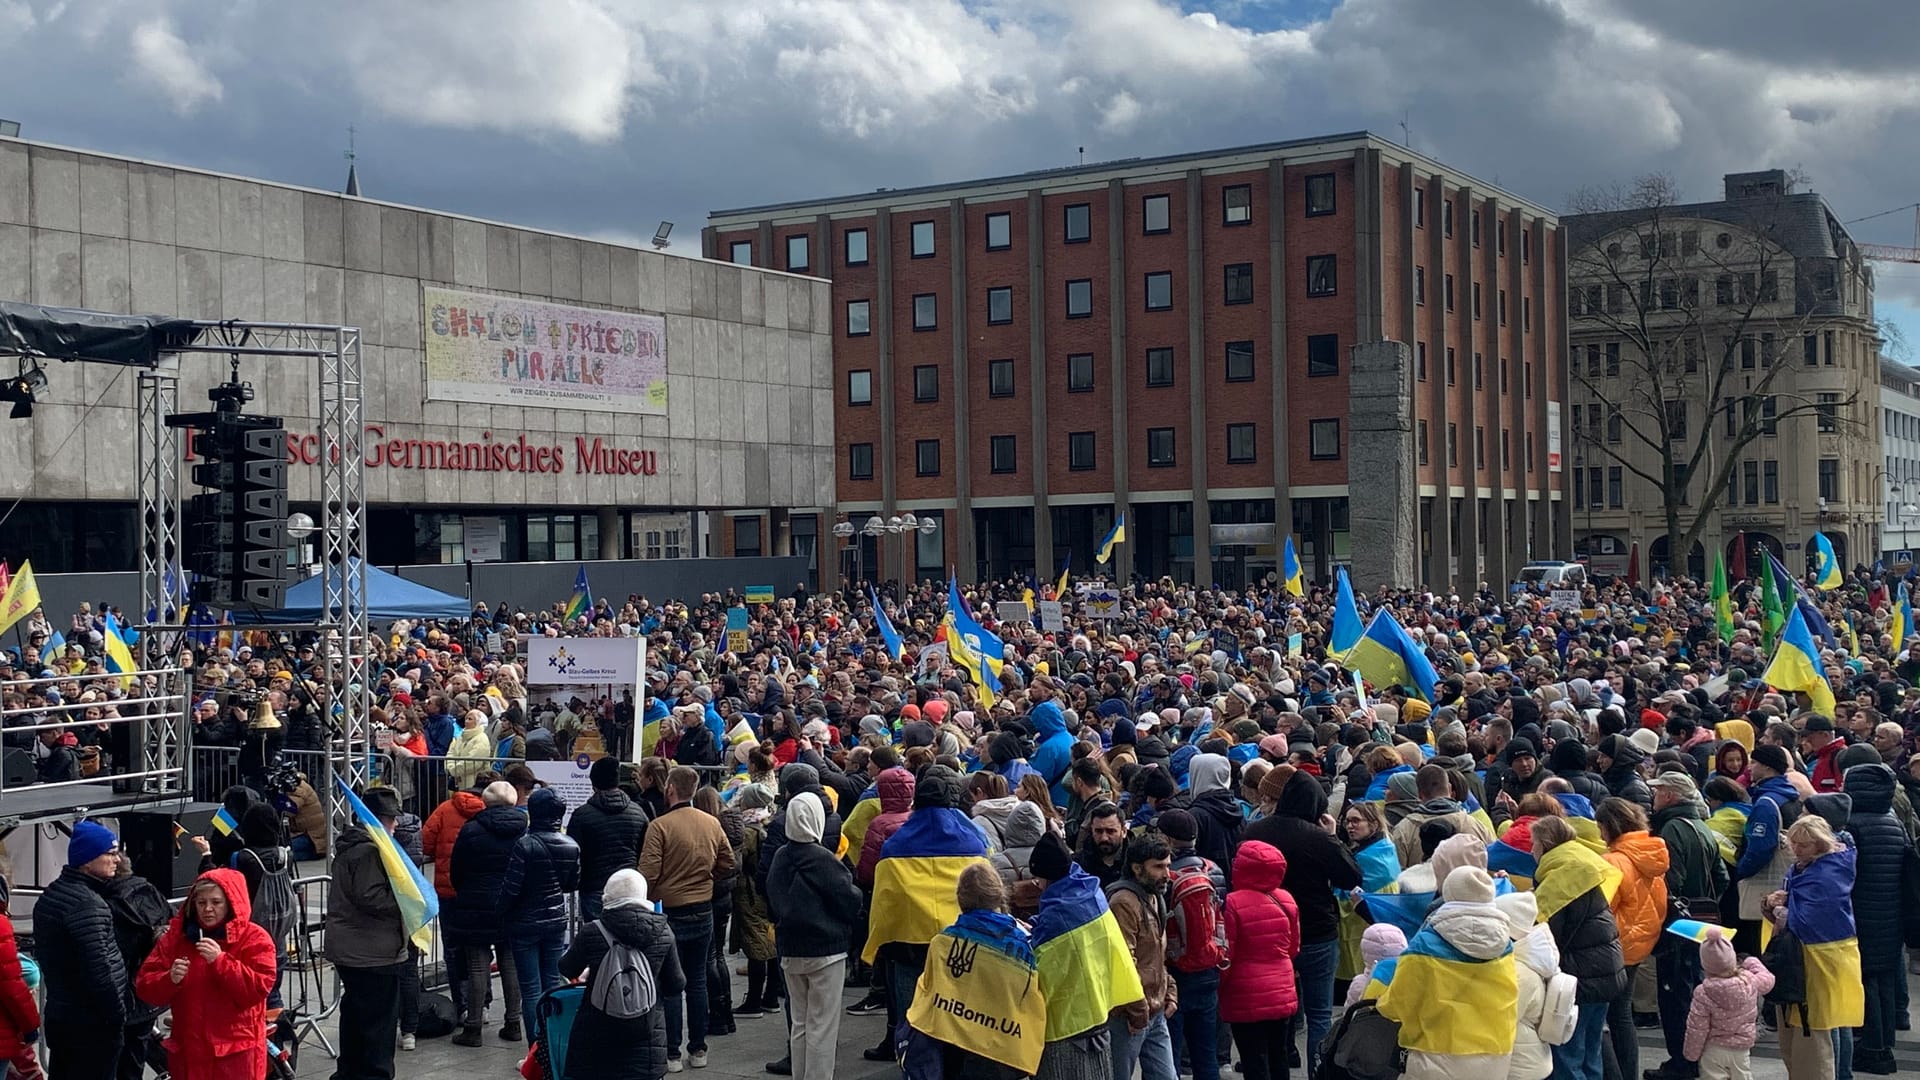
(601, 1047)
(140, 916)
(1589, 942)
(792, 784)
(480, 857)
(86, 977)
(609, 827)
(1882, 845)
(813, 901)
(542, 869)
(1217, 813)
(1317, 863)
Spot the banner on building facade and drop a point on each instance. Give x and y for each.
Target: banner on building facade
(502, 350)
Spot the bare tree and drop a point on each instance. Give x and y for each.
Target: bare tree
(1698, 313)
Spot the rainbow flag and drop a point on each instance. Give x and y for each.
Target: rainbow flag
(419, 904)
(914, 881)
(582, 600)
(1086, 969)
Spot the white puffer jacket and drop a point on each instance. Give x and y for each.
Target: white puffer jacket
(1546, 993)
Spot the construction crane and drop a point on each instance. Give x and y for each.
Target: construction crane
(1893, 252)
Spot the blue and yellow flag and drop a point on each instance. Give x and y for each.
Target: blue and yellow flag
(1388, 656)
(1404, 910)
(1796, 664)
(1346, 615)
(1290, 570)
(896, 646)
(1442, 997)
(223, 822)
(582, 599)
(1692, 929)
(1115, 535)
(1060, 587)
(119, 658)
(419, 904)
(1520, 866)
(1566, 873)
(1826, 567)
(978, 668)
(983, 641)
(650, 725)
(979, 992)
(1789, 585)
(914, 881)
(1902, 629)
(1086, 969)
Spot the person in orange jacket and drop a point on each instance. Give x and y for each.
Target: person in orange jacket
(1639, 907)
(213, 967)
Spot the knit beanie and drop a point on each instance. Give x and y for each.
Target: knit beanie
(1178, 824)
(1415, 710)
(90, 841)
(1716, 954)
(1773, 757)
(1050, 859)
(1468, 884)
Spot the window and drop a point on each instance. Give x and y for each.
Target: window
(1239, 283)
(741, 253)
(1079, 223)
(860, 387)
(1001, 453)
(1419, 208)
(1446, 217)
(1526, 391)
(1506, 450)
(1475, 220)
(1420, 360)
(930, 547)
(1479, 447)
(1614, 484)
(1319, 194)
(1323, 355)
(1526, 313)
(926, 382)
(1769, 286)
(999, 305)
(1830, 479)
(1613, 358)
(797, 251)
(922, 239)
(1615, 423)
(1453, 444)
(1322, 277)
(1676, 420)
(926, 457)
(857, 318)
(1579, 487)
(856, 244)
(1767, 350)
(860, 461)
(999, 378)
(1236, 205)
(1500, 238)
(1450, 370)
(1449, 292)
(1160, 448)
(1827, 411)
(1419, 284)
(1240, 444)
(1723, 289)
(1746, 353)
(1239, 361)
(1476, 300)
(1159, 291)
(999, 232)
(1827, 354)
(1503, 366)
(1750, 473)
(926, 311)
(1154, 218)
(1323, 437)
(1770, 481)
(1479, 373)
(1809, 350)
(1080, 298)
(1420, 439)
(1080, 373)
(746, 536)
(1080, 450)
(1159, 367)
(1503, 307)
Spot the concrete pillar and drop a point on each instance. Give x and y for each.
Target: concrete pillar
(611, 540)
(1197, 278)
(959, 520)
(1467, 579)
(1277, 278)
(1384, 523)
(1563, 386)
(1117, 370)
(779, 540)
(1037, 376)
(1442, 554)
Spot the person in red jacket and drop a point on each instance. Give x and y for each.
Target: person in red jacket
(19, 1014)
(896, 802)
(213, 967)
(436, 843)
(1819, 745)
(1257, 993)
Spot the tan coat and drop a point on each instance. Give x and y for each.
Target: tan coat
(684, 853)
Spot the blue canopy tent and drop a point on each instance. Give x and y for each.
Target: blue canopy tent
(389, 597)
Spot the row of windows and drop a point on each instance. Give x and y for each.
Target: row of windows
(1446, 226)
(1506, 368)
(1759, 481)
(1003, 450)
(1236, 208)
(1675, 293)
(1323, 358)
(1479, 447)
(1322, 280)
(1420, 298)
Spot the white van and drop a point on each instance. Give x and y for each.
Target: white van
(1547, 576)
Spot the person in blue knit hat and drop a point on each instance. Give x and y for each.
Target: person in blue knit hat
(86, 979)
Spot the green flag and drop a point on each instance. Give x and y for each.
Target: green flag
(1773, 613)
(1722, 600)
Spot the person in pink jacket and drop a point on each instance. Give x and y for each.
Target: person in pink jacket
(1720, 1025)
(1257, 992)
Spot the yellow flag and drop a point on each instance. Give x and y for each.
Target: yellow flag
(21, 599)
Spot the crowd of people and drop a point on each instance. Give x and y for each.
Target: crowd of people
(1199, 835)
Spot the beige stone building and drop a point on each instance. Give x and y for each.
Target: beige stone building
(1738, 335)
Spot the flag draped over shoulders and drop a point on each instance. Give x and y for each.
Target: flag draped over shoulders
(1564, 874)
(914, 881)
(1086, 970)
(1443, 998)
(980, 992)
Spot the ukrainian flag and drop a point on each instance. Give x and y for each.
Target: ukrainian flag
(896, 646)
(1819, 913)
(1346, 615)
(1086, 970)
(1826, 567)
(1580, 815)
(978, 992)
(979, 638)
(1520, 866)
(582, 600)
(1404, 910)
(223, 822)
(1796, 664)
(977, 667)
(650, 725)
(119, 658)
(1442, 997)
(1060, 587)
(914, 881)
(1902, 628)
(1115, 535)
(1567, 872)
(1691, 929)
(1388, 656)
(419, 904)
(1290, 570)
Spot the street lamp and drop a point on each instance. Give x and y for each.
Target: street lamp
(843, 531)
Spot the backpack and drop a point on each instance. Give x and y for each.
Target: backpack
(623, 987)
(437, 1018)
(1558, 1012)
(1363, 1045)
(1787, 959)
(1196, 933)
(275, 906)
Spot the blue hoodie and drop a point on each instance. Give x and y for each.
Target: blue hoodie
(1763, 825)
(1053, 748)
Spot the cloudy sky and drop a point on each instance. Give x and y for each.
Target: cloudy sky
(603, 117)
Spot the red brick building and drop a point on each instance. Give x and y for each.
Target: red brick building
(1020, 358)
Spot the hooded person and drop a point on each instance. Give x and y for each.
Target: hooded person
(474, 920)
(815, 906)
(1568, 761)
(1883, 852)
(543, 870)
(895, 788)
(604, 1047)
(1546, 1010)
(1620, 761)
(1020, 830)
(609, 829)
(213, 968)
(1052, 744)
(1433, 785)
(1258, 993)
(1085, 969)
(1455, 992)
(1215, 810)
(794, 779)
(1380, 944)
(1004, 751)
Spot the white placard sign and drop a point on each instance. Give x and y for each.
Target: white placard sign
(1564, 599)
(933, 657)
(1103, 603)
(481, 534)
(571, 779)
(574, 661)
(1050, 616)
(1012, 611)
